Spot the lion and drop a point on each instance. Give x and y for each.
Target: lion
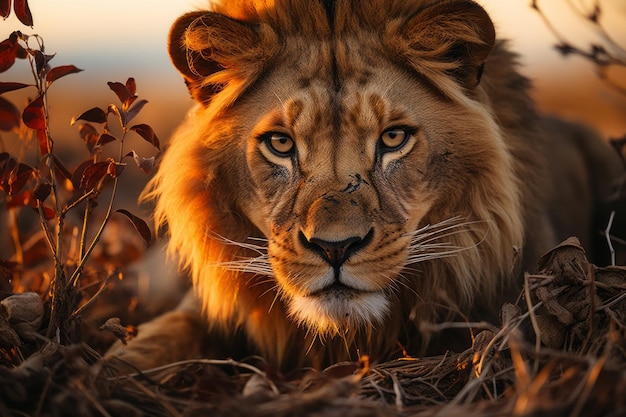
(353, 172)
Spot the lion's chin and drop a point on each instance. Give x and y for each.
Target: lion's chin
(339, 310)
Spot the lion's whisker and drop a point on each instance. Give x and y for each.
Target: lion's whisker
(261, 250)
(429, 233)
(276, 296)
(313, 339)
(426, 243)
(397, 283)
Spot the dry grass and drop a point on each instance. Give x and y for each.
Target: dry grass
(559, 351)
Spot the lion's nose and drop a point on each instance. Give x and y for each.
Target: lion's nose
(336, 253)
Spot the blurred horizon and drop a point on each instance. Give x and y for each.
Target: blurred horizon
(115, 40)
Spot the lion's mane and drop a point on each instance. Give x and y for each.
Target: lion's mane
(203, 181)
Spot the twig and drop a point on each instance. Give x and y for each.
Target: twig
(589, 383)
(217, 362)
(533, 319)
(78, 201)
(96, 295)
(607, 306)
(592, 307)
(599, 55)
(594, 18)
(397, 391)
(92, 399)
(85, 227)
(170, 409)
(477, 325)
(46, 231)
(15, 236)
(607, 235)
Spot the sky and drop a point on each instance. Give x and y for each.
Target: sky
(136, 30)
(115, 39)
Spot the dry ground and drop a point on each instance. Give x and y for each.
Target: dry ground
(559, 351)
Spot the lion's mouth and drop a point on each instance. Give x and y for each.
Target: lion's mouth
(337, 289)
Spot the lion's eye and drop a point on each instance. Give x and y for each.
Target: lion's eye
(394, 138)
(280, 144)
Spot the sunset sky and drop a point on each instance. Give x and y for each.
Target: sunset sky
(116, 39)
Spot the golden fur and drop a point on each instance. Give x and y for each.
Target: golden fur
(333, 243)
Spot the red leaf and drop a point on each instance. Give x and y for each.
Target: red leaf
(146, 132)
(21, 52)
(21, 199)
(5, 8)
(95, 115)
(77, 175)
(44, 142)
(6, 87)
(94, 174)
(9, 115)
(89, 135)
(106, 138)
(7, 165)
(22, 11)
(33, 115)
(40, 59)
(130, 84)
(48, 213)
(62, 71)
(19, 178)
(8, 52)
(134, 110)
(13, 174)
(42, 191)
(64, 173)
(123, 93)
(115, 169)
(140, 225)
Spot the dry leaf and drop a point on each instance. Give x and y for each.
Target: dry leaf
(553, 306)
(567, 262)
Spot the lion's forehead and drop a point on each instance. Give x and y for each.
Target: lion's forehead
(324, 120)
(352, 59)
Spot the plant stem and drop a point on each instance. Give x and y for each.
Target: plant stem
(81, 308)
(15, 236)
(78, 201)
(83, 233)
(73, 281)
(84, 257)
(61, 295)
(46, 230)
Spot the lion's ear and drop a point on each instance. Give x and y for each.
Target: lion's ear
(451, 36)
(214, 52)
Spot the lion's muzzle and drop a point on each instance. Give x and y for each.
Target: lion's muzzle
(336, 253)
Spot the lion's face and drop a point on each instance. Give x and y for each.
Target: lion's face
(343, 172)
(364, 155)
(335, 174)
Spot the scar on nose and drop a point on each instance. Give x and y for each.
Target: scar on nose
(353, 186)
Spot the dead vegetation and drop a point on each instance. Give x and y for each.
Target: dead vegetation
(559, 351)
